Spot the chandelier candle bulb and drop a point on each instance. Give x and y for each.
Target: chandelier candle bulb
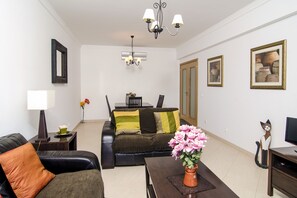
(154, 25)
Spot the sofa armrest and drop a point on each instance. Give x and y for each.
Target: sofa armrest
(107, 154)
(68, 161)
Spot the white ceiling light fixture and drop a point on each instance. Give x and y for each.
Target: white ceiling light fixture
(156, 26)
(133, 58)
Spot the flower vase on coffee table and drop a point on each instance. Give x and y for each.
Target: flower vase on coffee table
(190, 178)
(187, 145)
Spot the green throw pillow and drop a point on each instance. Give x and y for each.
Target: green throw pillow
(167, 122)
(127, 122)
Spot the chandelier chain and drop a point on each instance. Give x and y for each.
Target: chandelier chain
(131, 60)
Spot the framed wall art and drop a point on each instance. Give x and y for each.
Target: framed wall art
(59, 63)
(215, 71)
(268, 66)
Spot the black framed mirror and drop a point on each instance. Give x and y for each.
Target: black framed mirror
(59, 62)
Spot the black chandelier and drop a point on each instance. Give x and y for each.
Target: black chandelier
(156, 26)
(130, 60)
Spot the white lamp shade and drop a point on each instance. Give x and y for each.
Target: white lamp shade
(127, 59)
(177, 19)
(149, 15)
(138, 60)
(40, 99)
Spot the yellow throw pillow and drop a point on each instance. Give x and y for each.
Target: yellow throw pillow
(167, 122)
(24, 171)
(127, 122)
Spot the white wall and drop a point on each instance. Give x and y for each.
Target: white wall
(27, 28)
(104, 73)
(234, 111)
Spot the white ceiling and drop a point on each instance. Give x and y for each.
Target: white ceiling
(111, 22)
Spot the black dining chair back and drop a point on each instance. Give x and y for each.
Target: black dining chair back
(135, 101)
(160, 101)
(108, 105)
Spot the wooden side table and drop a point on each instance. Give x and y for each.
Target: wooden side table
(56, 143)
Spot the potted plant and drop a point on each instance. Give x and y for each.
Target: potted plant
(187, 145)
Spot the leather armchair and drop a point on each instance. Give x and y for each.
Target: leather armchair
(56, 162)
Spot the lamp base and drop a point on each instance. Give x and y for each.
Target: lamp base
(43, 140)
(42, 131)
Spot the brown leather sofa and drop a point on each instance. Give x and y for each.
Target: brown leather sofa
(77, 172)
(131, 149)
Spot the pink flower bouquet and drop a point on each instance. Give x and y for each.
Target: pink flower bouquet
(187, 145)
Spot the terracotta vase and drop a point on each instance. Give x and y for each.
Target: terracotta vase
(190, 178)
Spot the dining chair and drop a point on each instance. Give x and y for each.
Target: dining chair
(160, 101)
(135, 101)
(108, 105)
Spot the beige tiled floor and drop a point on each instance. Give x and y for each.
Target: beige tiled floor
(234, 166)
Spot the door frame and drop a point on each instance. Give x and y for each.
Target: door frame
(187, 117)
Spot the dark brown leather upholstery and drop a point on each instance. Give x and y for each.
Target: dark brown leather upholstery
(68, 161)
(115, 153)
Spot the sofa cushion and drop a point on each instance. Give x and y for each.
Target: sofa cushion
(141, 143)
(147, 119)
(146, 116)
(127, 122)
(7, 143)
(24, 171)
(74, 185)
(167, 122)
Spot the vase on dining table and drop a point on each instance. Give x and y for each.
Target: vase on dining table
(190, 177)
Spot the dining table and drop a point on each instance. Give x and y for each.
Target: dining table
(123, 105)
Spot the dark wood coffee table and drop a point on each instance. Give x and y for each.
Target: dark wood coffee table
(158, 169)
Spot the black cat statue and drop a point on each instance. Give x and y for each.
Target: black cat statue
(263, 146)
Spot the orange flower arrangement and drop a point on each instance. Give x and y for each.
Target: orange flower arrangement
(85, 101)
(82, 105)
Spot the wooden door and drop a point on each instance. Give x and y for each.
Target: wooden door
(188, 91)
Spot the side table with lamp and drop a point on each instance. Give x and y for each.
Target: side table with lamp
(57, 142)
(43, 100)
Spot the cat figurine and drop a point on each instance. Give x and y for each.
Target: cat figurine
(263, 145)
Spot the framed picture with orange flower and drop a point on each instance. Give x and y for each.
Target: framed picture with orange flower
(215, 71)
(268, 66)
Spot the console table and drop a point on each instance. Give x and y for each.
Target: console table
(282, 173)
(56, 143)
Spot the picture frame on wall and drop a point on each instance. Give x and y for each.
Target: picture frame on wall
(59, 62)
(215, 71)
(268, 66)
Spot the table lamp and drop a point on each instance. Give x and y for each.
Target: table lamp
(41, 100)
